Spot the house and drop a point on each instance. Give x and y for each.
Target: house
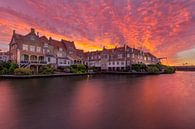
(27, 50)
(34, 51)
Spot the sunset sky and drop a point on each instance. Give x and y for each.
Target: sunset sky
(165, 28)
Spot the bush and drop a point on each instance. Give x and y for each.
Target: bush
(23, 71)
(169, 70)
(48, 69)
(65, 69)
(4, 71)
(153, 69)
(12, 68)
(78, 69)
(7, 67)
(139, 67)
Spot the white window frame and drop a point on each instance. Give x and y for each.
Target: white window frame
(120, 56)
(46, 45)
(25, 47)
(32, 48)
(38, 49)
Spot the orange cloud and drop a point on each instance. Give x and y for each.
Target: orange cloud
(161, 27)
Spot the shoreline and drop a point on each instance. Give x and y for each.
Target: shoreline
(73, 74)
(41, 75)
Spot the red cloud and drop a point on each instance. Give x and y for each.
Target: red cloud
(162, 27)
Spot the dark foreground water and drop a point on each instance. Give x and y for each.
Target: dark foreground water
(99, 102)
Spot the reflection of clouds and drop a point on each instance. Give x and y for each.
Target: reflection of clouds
(87, 104)
(7, 106)
(92, 24)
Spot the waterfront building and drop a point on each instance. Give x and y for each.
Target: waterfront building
(34, 51)
(119, 59)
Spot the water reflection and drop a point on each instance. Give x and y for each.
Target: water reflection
(99, 102)
(87, 104)
(8, 113)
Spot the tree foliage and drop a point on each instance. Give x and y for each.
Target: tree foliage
(48, 69)
(7, 67)
(80, 68)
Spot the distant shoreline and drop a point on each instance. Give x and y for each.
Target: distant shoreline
(185, 68)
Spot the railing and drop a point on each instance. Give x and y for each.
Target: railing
(33, 62)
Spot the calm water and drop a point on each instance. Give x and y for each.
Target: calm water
(99, 102)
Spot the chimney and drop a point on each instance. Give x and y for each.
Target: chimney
(38, 34)
(50, 38)
(32, 30)
(14, 32)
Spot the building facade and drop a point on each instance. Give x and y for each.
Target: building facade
(4, 56)
(119, 59)
(32, 50)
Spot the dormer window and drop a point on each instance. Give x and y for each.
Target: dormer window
(32, 38)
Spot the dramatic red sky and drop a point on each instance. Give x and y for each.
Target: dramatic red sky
(163, 27)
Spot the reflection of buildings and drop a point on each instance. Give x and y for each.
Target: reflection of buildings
(34, 50)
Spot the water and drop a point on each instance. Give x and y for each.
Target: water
(99, 102)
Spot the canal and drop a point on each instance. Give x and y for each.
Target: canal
(99, 102)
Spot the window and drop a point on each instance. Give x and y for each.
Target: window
(25, 47)
(49, 59)
(32, 38)
(45, 44)
(128, 55)
(38, 49)
(59, 54)
(32, 48)
(133, 56)
(113, 63)
(120, 56)
(60, 49)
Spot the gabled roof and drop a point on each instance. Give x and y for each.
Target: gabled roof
(56, 43)
(69, 45)
(43, 38)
